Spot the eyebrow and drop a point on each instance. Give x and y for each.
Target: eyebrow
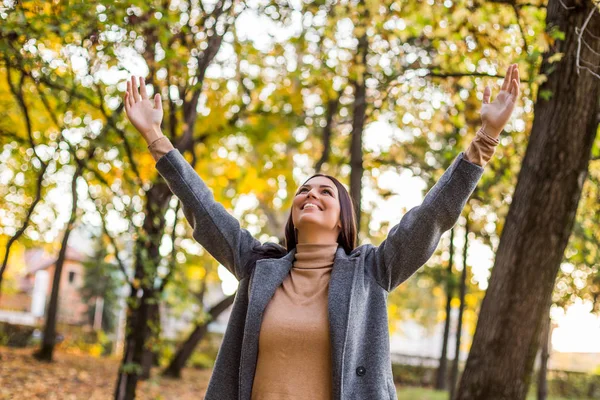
(307, 185)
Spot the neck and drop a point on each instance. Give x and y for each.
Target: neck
(317, 237)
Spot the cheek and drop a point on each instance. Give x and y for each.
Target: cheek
(334, 206)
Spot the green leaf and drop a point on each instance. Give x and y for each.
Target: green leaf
(546, 94)
(556, 33)
(132, 368)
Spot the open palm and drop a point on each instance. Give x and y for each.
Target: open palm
(144, 114)
(496, 114)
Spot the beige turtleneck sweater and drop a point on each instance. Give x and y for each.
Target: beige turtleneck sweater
(294, 355)
(479, 152)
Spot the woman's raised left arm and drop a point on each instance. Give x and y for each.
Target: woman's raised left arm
(412, 241)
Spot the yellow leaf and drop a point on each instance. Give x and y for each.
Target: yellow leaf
(556, 57)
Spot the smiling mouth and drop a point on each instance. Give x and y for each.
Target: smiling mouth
(307, 207)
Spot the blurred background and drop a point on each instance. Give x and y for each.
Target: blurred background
(101, 281)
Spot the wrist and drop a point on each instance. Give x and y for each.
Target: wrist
(152, 134)
(494, 133)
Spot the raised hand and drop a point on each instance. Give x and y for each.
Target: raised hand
(496, 114)
(144, 114)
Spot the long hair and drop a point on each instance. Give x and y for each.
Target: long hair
(347, 237)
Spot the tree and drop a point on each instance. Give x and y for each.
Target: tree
(186, 349)
(543, 209)
(461, 310)
(102, 280)
(440, 381)
(46, 350)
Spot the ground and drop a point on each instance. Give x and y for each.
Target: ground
(83, 377)
(74, 377)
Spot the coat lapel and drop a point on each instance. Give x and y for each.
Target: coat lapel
(268, 275)
(341, 287)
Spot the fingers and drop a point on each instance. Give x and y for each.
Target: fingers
(515, 83)
(511, 74)
(487, 93)
(143, 89)
(514, 89)
(134, 90)
(128, 97)
(507, 78)
(132, 95)
(126, 102)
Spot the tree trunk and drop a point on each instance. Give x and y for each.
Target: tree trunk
(98, 311)
(185, 351)
(138, 331)
(542, 389)
(149, 356)
(541, 215)
(49, 340)
(332, 109)
(440, 382)
(21, 230)
(143, 296)
(463, 291)
(358, 126)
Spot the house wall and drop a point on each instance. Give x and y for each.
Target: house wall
(71, 309)
(15, 302)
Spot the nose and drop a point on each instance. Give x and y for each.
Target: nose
(311, 193)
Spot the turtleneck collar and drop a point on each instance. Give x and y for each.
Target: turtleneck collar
(315, 255)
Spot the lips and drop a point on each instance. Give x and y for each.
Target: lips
(308, 202)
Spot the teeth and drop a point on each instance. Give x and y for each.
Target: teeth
(310, 205)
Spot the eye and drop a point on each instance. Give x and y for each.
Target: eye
(328, 191)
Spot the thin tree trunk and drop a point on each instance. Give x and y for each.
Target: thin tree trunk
(98, 311)
(541, 215)
(149, 357)
(332, 108)
(542, 387)
(17, 91)
(463, 291)
(358, 120)
(440, 382)
(21, 230)
(187, 348)
(356, 151)
(48, 341)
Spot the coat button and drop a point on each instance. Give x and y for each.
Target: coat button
(360, 371)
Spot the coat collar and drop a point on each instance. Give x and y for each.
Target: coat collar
(340, 254)
(267, 276)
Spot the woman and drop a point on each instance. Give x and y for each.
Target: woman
(310, 321)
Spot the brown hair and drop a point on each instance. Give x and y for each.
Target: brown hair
(347, 237)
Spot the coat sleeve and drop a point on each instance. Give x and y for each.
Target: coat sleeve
(411, 242)
(213, 227)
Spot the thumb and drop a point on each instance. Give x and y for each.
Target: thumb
(157, 102)
(487, 92)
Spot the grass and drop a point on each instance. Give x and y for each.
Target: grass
(415, 393)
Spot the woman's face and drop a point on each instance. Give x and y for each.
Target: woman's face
(322, 193)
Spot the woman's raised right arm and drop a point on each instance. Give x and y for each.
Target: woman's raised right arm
(213, 227)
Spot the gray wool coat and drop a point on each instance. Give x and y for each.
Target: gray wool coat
(358, 290)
